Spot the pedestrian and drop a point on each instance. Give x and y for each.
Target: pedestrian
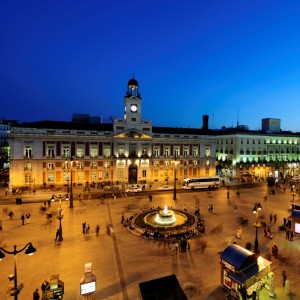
(275, 218)
(23, 219)
(83, 227)
(239, 233)
(28, 218)
(97, 229)
(284, 277)
(271, 218)
(284, 222)
(49, 203)
(122, 218)
(265, 232)
(44, 287)
(87, 229)
(36, 295)
(56, 235)
(287, 233)
(291, 235)
(211, 208)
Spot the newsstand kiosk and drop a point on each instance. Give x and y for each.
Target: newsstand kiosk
(244, 274)
(55, 289)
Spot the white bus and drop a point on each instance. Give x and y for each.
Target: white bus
(200, 182)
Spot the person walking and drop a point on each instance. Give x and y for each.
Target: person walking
(28, 218)
(275, 218)
(36, 295)
(83, 227)
(271, 218)
(97, 229)
(23, 219)
(211, 208)
(291, 238)
(284, 277)
(287, 233)
(44, 287)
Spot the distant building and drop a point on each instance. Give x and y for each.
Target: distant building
(258, 154)
(4, 144)
(271, 125)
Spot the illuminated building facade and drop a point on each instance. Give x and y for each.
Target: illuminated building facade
(258, 153)
(125, 151)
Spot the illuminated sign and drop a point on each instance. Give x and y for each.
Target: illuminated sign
(87, 288)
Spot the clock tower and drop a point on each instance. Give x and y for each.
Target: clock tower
(132, 103)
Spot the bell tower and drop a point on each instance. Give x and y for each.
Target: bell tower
(132, 103)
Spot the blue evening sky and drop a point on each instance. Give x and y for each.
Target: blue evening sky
(237, 61)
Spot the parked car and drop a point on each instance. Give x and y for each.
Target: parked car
(165, 188)
(134, 189)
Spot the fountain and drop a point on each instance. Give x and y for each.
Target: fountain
(165, 217)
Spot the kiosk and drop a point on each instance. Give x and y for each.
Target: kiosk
(243, 273)
(55, 289)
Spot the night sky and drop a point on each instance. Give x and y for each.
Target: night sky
(237, 61)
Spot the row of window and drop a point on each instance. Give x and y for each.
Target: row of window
(258, 141)
(66, 151)
(93, 165)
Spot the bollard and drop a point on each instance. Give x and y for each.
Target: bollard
(287, 287)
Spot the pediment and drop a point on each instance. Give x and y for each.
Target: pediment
(132, 134)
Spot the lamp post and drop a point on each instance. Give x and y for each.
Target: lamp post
(29, 251)
(71, 162)
(257, 207)
(60, 235)
(176, 163)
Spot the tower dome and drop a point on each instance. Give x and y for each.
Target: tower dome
(133, 88)
(133, 84)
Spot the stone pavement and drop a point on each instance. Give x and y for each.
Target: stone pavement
(123, 260)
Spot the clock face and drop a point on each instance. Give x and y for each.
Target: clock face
(133, 108)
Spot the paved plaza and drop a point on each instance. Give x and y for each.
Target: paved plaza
(122, 260)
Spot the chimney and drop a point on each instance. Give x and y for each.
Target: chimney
(205, 122)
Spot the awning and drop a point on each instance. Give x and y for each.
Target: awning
(238, 256)
(244, 274)
(295, 213)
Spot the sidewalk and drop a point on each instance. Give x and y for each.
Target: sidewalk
(123, 260)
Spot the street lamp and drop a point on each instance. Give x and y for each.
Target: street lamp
(176, 163)
(29, 251)
(257, 207)
(71, 161)
(60, 235)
